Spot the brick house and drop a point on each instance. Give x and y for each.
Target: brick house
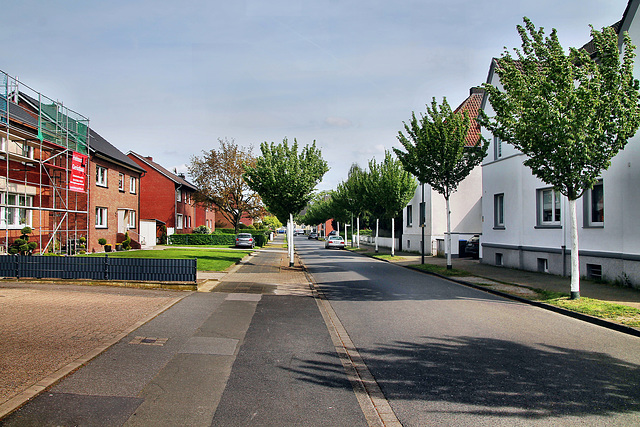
(166, 198)
(114, 195)
(41, 186)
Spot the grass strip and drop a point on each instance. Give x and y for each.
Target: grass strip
(617, 313)
(430, 268)
(208, 259)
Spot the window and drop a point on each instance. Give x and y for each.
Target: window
(132, 220)
(15, 210)
(179, 222)
(178, 195)
(543, 265)
(499, 260)
(423, 213)
(189, 222)
(594, 272)
(101, 217)
(498, 211)
(121, 181)
(409, 215)
(133, 185)
(594, 201)
(548, 207)
(101, 176)
(497, 148)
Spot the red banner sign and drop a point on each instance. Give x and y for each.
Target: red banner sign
(78, 172)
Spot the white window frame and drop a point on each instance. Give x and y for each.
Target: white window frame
(556, 208)
(497, 148)
(101, 176)
(133, 185)
(589, 206)
(179, 222)
(178, 195)
(498, 210)
(102, 215)
(131, 222)
(409, 215)
(120, 181)
(16, 211)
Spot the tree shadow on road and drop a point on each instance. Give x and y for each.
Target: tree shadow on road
(499, 378)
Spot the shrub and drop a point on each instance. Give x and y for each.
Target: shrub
(126, 244)
(202, 239)
(102, 241)
(202, 229)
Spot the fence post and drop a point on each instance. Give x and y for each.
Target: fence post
(17, 266)
(195, 273)
(106, 267)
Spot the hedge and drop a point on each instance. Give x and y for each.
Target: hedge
(212, 239)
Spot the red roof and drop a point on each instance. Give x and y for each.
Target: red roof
(472, 106)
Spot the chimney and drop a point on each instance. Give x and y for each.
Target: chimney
(476, 90)
(181, 175)
(149, 158)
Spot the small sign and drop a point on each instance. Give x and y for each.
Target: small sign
(78, 172)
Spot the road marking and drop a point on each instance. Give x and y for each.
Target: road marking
(374, 405)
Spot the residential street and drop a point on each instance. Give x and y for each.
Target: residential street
(446, 354)
(262, 349)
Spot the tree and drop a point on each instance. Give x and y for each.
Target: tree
(389, 188)
(569, 114)
(271, 222)
(437, 152)
(285, 179)
(218, 176)
(350, 195)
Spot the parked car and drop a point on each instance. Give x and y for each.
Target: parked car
(473, 247)
(334, 242)
(333, 233)
(313, 235)
(245, 240)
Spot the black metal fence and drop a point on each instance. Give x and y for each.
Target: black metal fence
(98, 268)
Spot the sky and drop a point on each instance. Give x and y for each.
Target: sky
(168, 79)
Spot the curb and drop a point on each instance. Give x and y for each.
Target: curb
(573, 314)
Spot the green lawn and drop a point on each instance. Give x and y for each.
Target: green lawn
(208, 259)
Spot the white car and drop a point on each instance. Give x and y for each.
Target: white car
(334, 242)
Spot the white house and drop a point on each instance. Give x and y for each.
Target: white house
(526, 224)
(466, 202)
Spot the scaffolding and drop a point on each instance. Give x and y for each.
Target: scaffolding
(44, 149)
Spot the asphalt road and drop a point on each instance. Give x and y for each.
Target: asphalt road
(446, 354)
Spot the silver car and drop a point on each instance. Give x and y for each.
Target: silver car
(245, 240)
(334, 242)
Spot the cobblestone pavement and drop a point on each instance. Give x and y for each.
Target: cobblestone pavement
(48, 330)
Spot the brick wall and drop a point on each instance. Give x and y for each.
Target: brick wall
(112, 198)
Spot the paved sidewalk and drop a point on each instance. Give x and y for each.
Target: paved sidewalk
(498, 276)
(260, 321)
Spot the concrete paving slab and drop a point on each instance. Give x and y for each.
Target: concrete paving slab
(210, 345)
(63, 409)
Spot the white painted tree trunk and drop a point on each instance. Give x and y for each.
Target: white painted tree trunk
(393, 236)
(291, 241)
(448, 239)
(358, 241)
(377, 224)
(575, 260)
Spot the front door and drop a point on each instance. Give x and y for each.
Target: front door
(122, 220)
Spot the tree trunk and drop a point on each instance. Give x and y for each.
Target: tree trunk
(393, 236)
(575, 261)
(448, 239)
(377, 224)
(291, 241)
